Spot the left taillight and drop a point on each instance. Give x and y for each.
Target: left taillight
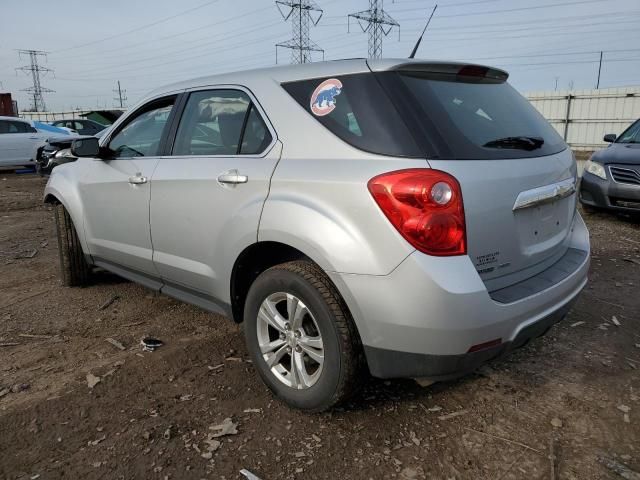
(425, 206)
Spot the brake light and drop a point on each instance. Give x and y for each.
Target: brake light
(473, 71)
(425, 206)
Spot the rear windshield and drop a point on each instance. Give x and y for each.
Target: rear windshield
(477, 118)
(356, 109)
(418, 115)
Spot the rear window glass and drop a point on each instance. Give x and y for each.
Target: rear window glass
(357, 110)
(475, 118)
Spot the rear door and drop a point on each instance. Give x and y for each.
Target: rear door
(517, 174)
(207, 197)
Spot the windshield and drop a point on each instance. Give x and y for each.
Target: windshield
(477, 118)
(631, 134)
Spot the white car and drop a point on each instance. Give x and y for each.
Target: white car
(18, 141)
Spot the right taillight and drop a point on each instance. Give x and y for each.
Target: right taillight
(425, 206)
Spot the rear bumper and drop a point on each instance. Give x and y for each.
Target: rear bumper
(394, 364)
(424, 318)
(607, 194)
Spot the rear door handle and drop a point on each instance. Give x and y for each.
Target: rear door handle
(138, 179)
(232, 177)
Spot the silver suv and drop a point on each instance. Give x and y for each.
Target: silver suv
(409, 218)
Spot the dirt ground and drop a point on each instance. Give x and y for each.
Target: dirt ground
(574, 393)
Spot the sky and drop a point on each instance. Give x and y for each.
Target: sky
(543, 44)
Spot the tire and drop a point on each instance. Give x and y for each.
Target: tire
(322, 314)
(74, 270)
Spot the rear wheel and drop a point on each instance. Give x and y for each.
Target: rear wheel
(301, 337)
(74, 270)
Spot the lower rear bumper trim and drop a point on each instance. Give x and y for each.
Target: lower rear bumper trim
(393, 364)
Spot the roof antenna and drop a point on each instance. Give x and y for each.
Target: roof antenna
(415, 49)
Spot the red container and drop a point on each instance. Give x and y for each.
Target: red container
(7, 106)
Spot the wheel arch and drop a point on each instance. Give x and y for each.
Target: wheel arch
(255, 259)
(71, 203)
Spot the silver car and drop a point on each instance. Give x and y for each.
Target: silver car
(405, 218)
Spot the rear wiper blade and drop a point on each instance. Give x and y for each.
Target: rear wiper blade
(519, 143)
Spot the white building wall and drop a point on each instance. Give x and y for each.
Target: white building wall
(591, 113)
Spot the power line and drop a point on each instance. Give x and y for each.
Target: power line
(515, 27)
(155, 41)
(560, 54)
(138, 29)
(378, 24)
(503, 10)
(35, 70)
(540, 22)
(173, 62)
(560, 33)
(215, 39)
(303, 14)
(570, 62)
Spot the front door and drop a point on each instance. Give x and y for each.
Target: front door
(207, 196)
(115, 190)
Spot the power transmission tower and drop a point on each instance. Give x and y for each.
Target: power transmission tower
(303, 14)
(121, 97)
(35, 69)
(378, 23)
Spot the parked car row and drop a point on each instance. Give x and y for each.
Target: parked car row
(21, 140)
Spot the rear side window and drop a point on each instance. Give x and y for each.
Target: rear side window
(7, 126)
(476, 118)
(212, 123)
(221, 122)
(256, 135)
(356, 109)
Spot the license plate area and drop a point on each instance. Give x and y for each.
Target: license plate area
(543, 227)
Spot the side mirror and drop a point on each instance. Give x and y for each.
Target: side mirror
(85, 147)
(610, 137)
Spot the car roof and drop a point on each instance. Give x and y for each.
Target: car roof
(279, 73)
(15, 119)
(290, 73)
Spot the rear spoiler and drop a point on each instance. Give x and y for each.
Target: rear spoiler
(440, 68)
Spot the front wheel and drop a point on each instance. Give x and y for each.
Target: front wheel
(301, 337)
(74, 270)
